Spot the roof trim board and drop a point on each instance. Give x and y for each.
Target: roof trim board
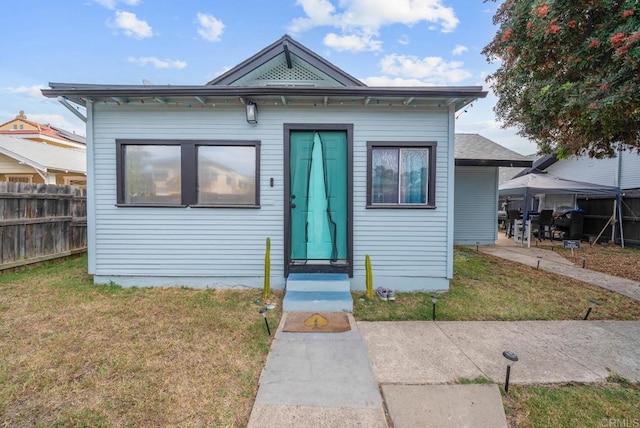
(493, 162)
(460, 96)
(285, 44)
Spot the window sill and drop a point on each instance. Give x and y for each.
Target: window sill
(402, 207)
(253, 207)
(185, 206)
(149, 206)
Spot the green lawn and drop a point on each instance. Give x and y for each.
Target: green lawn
(486, 288)
(76, 354)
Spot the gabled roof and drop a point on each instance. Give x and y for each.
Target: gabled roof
(476, 150)
(42, 156)
(293, 55)
(42, 130)
(247, 83)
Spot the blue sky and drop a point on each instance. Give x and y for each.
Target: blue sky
(381, 42)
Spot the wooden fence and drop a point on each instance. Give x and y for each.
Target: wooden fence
(598, 212)
(40, 222)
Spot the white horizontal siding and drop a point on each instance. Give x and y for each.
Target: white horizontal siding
(608, 172)
(630, 170)
(583, 168)
(476, 205)
(11, 166)
(184, 242)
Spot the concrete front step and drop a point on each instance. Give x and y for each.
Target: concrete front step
(318, 282)
(317, 301)
(318, 292)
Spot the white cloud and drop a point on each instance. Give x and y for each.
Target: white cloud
(132, 26)
(432, 69)
(111, 4)
(28, 91)
(459, 50)
(369, 16)
(404, 39)
(391, 81)
(319, 13)
(157, 63)
(210, 28)
(352, 43)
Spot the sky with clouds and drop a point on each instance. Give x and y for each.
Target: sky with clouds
(188, 42)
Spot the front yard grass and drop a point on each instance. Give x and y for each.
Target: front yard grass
(614, 404)
(486, 288)
(76, 354)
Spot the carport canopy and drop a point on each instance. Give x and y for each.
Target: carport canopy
(535, 184)
(540, 183)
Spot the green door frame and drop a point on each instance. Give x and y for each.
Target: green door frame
(348, 128)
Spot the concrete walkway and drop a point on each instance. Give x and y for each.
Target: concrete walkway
(406, 374)
(555, 263)
(335, 379)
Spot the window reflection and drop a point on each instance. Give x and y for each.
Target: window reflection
(152, 175)
(226, 175)
(399, 176)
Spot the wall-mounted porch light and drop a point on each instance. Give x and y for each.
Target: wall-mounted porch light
(252, 112)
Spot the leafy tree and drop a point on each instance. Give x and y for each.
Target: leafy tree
(569, 76)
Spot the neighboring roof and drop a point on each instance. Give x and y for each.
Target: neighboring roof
(43, 156)
(222, 90)
(539, 165)
(41, 130)
(534, 184)
(286, 47)
(476, 150)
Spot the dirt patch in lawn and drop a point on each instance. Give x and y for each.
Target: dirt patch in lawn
(610, 259)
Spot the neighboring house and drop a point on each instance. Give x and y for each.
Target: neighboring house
(285, 145)
(478, 161)
(622, 171)
(21, 127)
(26, 161)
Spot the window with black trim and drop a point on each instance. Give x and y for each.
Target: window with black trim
(401, 174)
(177, 173)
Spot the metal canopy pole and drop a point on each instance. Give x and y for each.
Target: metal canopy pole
(620, 220)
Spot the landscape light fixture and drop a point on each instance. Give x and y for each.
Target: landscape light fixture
(512, 358)
(592, 304)
(252, 112)
(434, 300)
(263, 311)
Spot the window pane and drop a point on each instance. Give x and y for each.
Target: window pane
(384, 180)
(227, 175)
(152, 175)
(413, 176)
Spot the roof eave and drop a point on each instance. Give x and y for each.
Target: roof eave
(460, 95)
(494, 162)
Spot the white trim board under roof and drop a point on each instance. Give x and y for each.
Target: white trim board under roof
(212, 96)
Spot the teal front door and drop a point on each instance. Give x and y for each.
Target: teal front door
(318, 197)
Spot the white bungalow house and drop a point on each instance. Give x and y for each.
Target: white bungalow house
(185, 183)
